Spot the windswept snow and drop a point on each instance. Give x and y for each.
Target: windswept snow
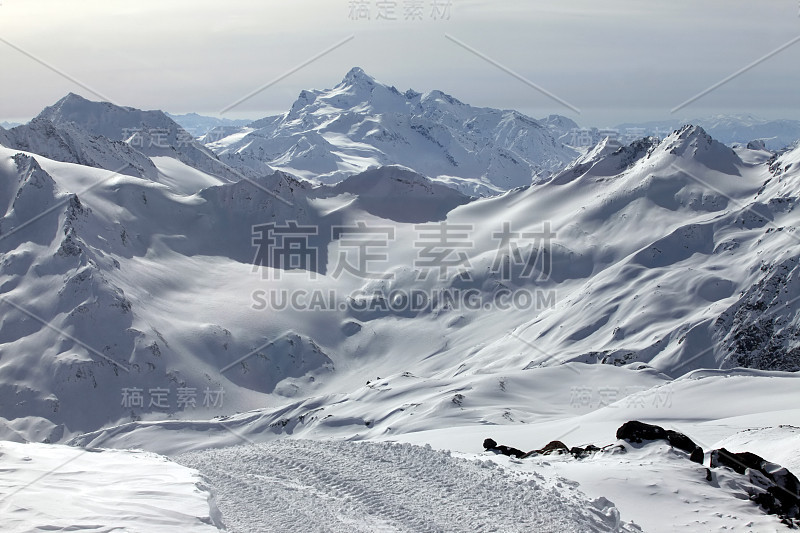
(290, 486)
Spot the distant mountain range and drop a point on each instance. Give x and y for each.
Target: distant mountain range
(728, 129)
(199, 125)
(330, 134)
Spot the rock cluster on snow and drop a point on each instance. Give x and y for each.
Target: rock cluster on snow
(776, 489)
(771, 486)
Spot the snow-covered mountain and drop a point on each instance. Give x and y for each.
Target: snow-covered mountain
(70, 143)
(186, 308)
(361, 123)
(199, 125)
(152, 133)
(653, 253)
(728, 129)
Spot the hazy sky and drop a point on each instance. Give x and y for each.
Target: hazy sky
(614, 60)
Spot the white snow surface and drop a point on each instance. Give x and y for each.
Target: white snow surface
(296, 485)
(656, 488)
(58, 488)
(652, 486)
(664, 255)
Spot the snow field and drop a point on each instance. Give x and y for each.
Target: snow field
(338, 486)
(46, 487)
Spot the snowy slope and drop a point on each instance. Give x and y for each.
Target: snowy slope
(652, 485)
(71, 144)
(58, 488)
(145, 144)
(330, 134)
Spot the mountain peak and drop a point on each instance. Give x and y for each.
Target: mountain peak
(72, 97)
(691, 131)
(439, 96)
(689, 136)
(357, 75)
(75, 108)
(74, 102)
(693, 142)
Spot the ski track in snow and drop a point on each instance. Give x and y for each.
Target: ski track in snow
(337, 486)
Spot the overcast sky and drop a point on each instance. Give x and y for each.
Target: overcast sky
(613, 60)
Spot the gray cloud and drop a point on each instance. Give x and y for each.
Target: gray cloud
(617, 60)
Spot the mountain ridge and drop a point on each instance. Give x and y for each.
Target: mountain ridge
(328, 134)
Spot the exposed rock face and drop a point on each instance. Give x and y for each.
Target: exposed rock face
(697, 455)
(761, 330)
(776, 489)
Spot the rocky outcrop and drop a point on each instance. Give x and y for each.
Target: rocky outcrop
(775, 489)
(635, 431)
(761, 329)
(555, 447)
(492, 446)
(770, 485)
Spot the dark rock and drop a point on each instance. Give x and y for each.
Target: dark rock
(491, 445)
(697, 455)
(512, 452)
(738, 462)
(554, 447)
(682, 442)
(780, 489)
(580, 453)
(635, 431)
